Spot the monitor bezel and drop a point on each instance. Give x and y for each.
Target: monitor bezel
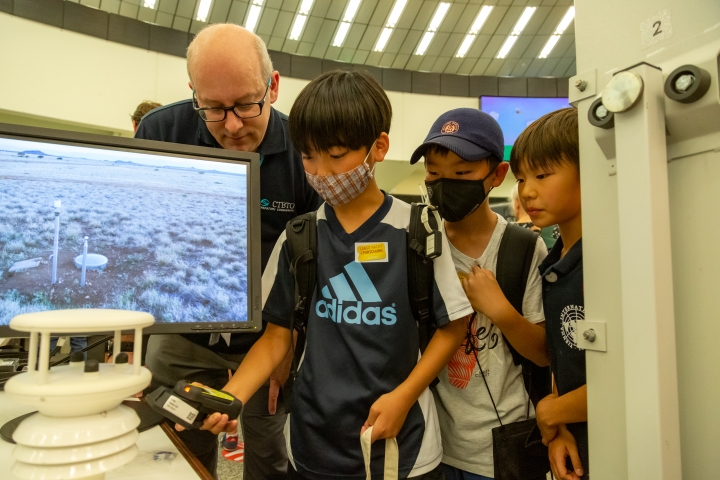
(252, 159)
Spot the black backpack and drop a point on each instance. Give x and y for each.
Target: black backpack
(424, 244)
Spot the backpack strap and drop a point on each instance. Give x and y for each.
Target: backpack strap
(424, 244)
(515, 256)
(301, 233)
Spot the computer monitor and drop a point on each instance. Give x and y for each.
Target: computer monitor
(515, 113)
(90, 221)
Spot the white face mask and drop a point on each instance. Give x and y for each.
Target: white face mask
(342, 188)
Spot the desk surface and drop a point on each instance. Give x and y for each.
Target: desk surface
(143, 467)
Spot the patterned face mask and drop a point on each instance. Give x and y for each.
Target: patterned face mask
(342, 188)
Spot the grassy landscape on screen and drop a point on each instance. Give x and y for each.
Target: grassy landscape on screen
(174, 236)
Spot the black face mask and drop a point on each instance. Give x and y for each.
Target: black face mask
(455, 199)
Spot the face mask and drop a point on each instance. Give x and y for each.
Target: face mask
(455, 199)
(342, 188)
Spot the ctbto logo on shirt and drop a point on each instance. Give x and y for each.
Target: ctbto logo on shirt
(345, 306)
(277, 206)
(569, 317)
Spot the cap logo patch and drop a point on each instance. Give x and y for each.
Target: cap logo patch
(450, 127)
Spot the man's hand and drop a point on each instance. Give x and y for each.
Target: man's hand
(277, 380)
(542, 415)
(561, 447)
(216, 423)
(387, 416)
(485, 294)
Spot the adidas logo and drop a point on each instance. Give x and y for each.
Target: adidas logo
(345, 306)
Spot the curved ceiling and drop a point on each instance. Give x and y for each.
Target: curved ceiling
(363, 22)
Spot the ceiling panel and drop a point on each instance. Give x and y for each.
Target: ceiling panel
(277, 18)
(267, 21)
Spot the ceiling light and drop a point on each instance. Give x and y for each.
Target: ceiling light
(555, 37)
(480, 20)
(523, 21)
(565, 22)
(253, 15)
(382, 41)
(351, 10)
(474, 30)
(345, 25)
(341, 34)
(438, 17)
(305, 7)
(396, 12)
(203, 10)
(507, 46)
(300, 20)
(466, 44)
(392, 20)
(516, 31)
(297, 27)
(150, 4)
(424, 43)
(549, 46)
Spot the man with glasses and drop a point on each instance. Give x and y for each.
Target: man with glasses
(233, 87)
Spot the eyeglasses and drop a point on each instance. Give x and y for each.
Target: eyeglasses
(218, 114)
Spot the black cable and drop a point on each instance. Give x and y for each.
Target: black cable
(91, 346)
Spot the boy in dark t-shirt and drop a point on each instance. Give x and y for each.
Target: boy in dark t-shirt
(361, 366)
(545, 160)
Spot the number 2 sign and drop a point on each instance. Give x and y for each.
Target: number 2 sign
(656, 29)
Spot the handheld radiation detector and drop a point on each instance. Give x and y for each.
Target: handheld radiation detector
(188, 404)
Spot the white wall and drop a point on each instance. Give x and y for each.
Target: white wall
(68, 76)
(76, 78)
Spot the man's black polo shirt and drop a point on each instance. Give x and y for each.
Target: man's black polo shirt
(564, 305)
(284, 190)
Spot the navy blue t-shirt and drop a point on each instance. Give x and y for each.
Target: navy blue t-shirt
(284, 190)
(564, 305)
(362, 342)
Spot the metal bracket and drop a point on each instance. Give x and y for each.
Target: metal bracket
(582, 86)
(591, 335)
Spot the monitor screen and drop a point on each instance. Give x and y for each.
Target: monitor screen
(127, 224)
(515, 113)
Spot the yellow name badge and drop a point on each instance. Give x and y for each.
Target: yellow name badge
(371, 252)
(462, 276)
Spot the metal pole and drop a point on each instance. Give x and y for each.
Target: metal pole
(57, 241)
(82, 275)
(651, 387)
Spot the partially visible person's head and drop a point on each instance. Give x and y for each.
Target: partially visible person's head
(230, 66)
(339, 122)
(517, 207)
(463, 154)
(141, 111)
(546, 161)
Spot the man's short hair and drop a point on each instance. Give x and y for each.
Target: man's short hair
(266, 65)
(339, 109)
(143, 109)
(549, 141)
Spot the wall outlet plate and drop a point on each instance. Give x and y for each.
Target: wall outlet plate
(599, 343)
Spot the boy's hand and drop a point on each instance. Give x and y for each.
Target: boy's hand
(542, 414)
(561, 447)
(387, 416)
(485, 294)
(216, 423)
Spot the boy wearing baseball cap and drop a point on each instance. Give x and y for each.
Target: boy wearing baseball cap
(481, 384)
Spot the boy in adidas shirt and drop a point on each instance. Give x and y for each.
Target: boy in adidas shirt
(463, 159)
(361, 365)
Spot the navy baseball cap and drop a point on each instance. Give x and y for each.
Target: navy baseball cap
(468, 132)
